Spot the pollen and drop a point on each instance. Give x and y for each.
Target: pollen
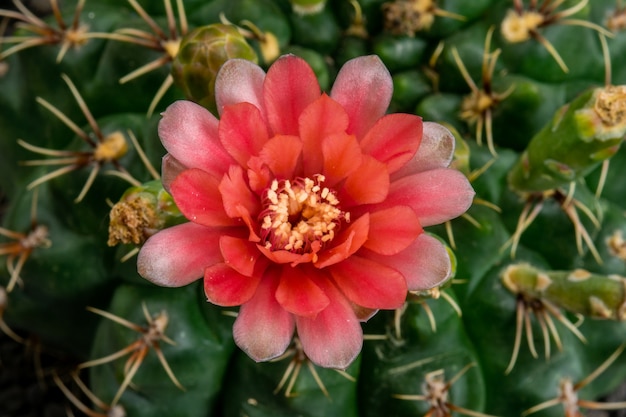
(298, 213)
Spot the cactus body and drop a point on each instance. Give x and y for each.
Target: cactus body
(521, 296)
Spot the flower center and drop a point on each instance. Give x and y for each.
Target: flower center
(298, 213)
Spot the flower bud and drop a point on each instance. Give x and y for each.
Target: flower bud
(201, 55)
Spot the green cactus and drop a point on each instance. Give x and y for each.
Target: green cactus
(525, 317)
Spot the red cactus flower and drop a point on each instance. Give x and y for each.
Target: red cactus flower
(306, 209)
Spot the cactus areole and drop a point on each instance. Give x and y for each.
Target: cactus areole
(305, 209)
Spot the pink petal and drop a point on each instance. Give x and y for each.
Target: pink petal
(342, 157)
(334, 338)
(286, 257)
(394, 139)
(369, 184)
(435, 151)
(370, 284)
(322, 118)
(178, 255)
(235, 194)
(362, 313)
(346, 243)
(198, 197)
(290, 86)
(298, 293)
(424, 264)
(364, 88)
(259, 175)
(263, 329)
(392, 230)
(242, 131)
(242, 255)
(282, 155)
(238, 81)
(226, 287)
(170, 168)
(189, 132)
(436, 196)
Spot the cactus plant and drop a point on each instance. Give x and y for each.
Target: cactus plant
(314, 208)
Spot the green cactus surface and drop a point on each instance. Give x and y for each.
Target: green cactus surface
(528, 319)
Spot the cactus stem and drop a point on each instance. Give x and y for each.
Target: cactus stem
(150, 337)
(568, 392)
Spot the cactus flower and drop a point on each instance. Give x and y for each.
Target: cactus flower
(305, 208)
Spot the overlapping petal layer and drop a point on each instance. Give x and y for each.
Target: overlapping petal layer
(306, 209)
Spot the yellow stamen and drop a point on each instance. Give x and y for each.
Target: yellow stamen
(299, 213)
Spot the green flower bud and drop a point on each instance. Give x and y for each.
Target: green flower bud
(202, 53)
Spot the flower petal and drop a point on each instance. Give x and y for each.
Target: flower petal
(170, 168)
(298, 293)
(289, 87)
(363, 87)
(263, 329)
(189, 132)
(342, 157)
(394, 139)
(369, 184)
(370, 284)
(226, 287)
(285, 256)
(435, 151)
(239, 81)
(198, 197)
(346, 243)
(242, 255)
(259, 175)
(437, 195)
(178, 255)
(322, 118)
(282, 155)
(242, 131)
(424, 264)
(392, 230)
(236, 195)
(334, 338)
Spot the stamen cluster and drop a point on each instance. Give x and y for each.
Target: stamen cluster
(299, 213)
